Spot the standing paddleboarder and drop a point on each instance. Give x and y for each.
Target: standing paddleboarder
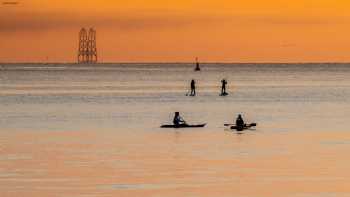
(193, 88)
(223, 87)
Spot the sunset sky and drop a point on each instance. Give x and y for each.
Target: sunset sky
(178, 30)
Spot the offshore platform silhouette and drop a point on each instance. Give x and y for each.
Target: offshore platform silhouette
(87, 52)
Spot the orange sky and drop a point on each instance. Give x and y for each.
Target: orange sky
(162, 30)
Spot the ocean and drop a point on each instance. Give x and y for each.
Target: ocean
(94, 130)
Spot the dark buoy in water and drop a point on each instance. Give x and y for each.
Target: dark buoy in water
(197, 65)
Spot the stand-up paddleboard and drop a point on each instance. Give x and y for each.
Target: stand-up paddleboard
(183, 126)
(188, 94)
(224, 94)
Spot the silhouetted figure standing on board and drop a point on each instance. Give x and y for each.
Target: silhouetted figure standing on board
(223, 87)
(197, 65)
(178, 120)
(193, 88)
(240, 121)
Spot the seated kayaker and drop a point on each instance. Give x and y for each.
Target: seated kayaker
(240, 121)
(178, 120)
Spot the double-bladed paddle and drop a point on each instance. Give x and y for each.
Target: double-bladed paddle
(247, 125)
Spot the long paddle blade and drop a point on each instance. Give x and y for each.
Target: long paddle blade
(253, 125)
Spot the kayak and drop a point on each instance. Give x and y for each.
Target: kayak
(244, 127)
(183, 126)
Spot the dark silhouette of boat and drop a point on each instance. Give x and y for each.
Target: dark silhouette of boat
(183, 126)
(242, 127)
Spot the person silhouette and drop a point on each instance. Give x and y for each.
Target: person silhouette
(223, 87)
(178, 120)
(193, 88)
(240, 121)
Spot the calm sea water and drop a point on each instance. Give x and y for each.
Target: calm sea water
(74, 130)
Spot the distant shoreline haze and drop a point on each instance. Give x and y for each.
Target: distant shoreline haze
(203, 63)
(162, 31)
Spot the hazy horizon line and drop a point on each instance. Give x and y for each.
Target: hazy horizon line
(185, 62)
